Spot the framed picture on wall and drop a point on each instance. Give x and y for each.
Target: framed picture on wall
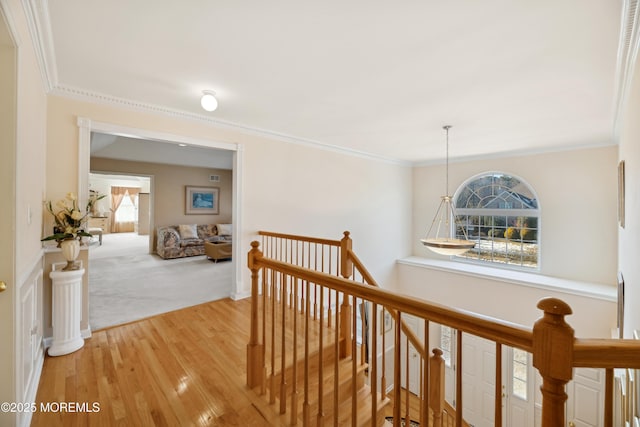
(202, 200)
(621, 190)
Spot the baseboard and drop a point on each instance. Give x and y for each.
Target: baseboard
(86, 333)
(23, 418)
(240, 295)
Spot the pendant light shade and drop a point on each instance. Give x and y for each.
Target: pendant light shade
(446, 244)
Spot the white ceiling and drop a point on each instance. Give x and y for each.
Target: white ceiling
(145, 150)
(374, 77)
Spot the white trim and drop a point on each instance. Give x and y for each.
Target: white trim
(104, 99)
(518, 153)
(236, 296)
(86, 126)
(37, 16)
(628, 47)
(520, 278)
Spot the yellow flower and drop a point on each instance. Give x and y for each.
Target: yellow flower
(71, 196)
(76, 215)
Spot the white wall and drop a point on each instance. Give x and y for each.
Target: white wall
(285, 187)
(629, 245)
(593, 317)
(578, 204)
(577, 198)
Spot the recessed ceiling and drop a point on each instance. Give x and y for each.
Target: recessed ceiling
(380, 78)
(145, 150)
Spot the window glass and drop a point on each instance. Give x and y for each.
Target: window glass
(500, 213)
(446, 343)
(127, 211)
(519, 374)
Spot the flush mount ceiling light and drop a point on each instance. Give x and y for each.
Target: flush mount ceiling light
(208, 100)
(447, 245)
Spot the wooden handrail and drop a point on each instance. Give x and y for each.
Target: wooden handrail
(551, 340)
(300, 238)
(493, 329)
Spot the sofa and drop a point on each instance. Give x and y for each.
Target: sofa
(177, 241)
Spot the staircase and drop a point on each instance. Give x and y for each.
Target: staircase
(317, 387)
(319, 356)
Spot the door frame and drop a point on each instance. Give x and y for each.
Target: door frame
(87, 125)
(9, 298)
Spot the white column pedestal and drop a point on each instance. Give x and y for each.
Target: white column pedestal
(66, 310)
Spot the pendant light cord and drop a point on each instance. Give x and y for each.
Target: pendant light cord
(446, 128)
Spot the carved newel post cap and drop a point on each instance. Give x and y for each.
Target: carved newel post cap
(437, 352)
(554, 306)
(553, 341)
(253, 254)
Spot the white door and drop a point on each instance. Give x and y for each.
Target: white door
(585, 406)
(518, 388)
(478, 381)
(8, 85)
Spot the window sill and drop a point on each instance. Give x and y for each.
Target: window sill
(520, 278)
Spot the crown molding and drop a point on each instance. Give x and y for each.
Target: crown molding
(89, 96)
(628, 47)
(37, 15)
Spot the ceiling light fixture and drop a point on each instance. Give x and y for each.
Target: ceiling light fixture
(208, 100)
(446, 245)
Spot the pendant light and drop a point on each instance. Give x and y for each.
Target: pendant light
(447, 245)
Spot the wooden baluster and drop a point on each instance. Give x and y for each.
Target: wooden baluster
(329, 310)
(397, 386)
(608, 397)
(363, 333)
(320, 361)
(265, 305)
(306, 416)
(425, 382)
(373, 371)
(336, 366)
(354, 367)
(255, 350)
(498, 390)
(283, 351)
(274, 293)
(406, 382)
(459, 404)
(553, 357)
(383, 377)
(294, 381)
(436, 388)
(346, 333)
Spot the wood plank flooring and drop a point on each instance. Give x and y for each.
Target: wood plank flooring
(184, 368)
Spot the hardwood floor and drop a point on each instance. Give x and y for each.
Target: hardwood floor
(184, 368)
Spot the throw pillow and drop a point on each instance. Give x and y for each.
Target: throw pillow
(224, 229)
(188, 231)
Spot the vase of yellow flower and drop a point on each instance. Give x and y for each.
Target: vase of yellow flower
(69, 226)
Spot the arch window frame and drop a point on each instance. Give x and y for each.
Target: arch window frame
(499, 252)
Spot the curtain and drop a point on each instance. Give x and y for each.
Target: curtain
(117, 195)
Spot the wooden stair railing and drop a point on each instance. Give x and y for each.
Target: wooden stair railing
(309, 279)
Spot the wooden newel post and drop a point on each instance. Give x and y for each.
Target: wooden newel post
(553, 357)
(255, 350)
(346, 265)
(436, 387)
(346, 270)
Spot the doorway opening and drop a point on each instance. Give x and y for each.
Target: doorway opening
(116, 151)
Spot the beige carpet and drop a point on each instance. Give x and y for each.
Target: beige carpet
(126, 283)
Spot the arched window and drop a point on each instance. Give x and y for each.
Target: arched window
(500, 213)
